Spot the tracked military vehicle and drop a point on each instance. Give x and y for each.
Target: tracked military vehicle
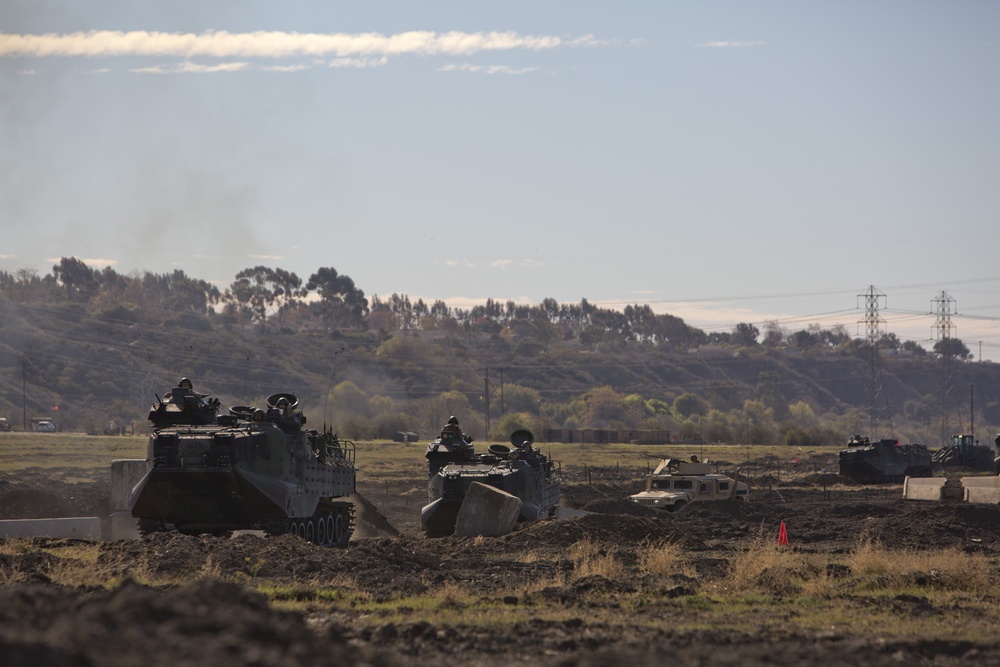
(884, 461)
(675, 483)
(212, 473)
(520, 470)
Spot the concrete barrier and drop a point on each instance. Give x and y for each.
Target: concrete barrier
(983, 490)
(125, 474)
(923, 488)
(81, 527)
(487, 511)
(123, 526)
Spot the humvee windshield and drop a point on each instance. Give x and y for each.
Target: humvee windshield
(664, 484)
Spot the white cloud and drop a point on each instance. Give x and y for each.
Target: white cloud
(489, 69)
(262, 44)
(358, 63)
(284, 68)
(189, 67)
(518, 263)
(99, 263)
(731, 45)
(590, 40)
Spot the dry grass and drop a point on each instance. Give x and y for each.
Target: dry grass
(664, 558)
(872, 590)
(88, 455)
(767, 567)
(588, 560)
(764, 567)
(878, 567)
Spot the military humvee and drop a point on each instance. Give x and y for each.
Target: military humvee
(676, 483)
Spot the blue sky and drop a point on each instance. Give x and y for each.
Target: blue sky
(721, 161)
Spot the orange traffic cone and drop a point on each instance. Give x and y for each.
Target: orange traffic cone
(783, 535)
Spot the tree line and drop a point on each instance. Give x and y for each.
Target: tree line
(407, 363)
(266, 297)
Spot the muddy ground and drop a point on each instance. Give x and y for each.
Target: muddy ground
(206, 621)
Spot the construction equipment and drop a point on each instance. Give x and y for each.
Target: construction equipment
(676, 483)
(212, 473)
(965, 452)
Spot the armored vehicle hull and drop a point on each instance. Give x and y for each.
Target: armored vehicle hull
(233, 474)
(520, 471)
(884, 461)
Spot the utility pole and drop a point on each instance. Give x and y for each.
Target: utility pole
(487, 390)
(972, 412)
(486, 399)
(24, 392)
(502, 411)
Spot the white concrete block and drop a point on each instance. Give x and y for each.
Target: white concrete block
(123, 526)
(125, 474)
(84, 528)
(487, 511)
(982, 490)
(923, 488)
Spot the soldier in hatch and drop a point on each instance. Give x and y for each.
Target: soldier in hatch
(451, 430)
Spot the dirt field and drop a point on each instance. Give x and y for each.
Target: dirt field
(394, 598)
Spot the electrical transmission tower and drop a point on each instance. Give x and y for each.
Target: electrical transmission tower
(943, 328)
(873, 330)
(943, 309)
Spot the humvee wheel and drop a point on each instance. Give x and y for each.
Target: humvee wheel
(678, 506)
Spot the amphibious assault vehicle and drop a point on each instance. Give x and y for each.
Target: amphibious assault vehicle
(520, 470)
(884, 461)
(675, 483)
(218, 473)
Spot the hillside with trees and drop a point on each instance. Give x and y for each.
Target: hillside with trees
(89, 347)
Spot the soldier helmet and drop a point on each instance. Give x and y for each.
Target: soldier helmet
(453, 420)
(185, 383)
